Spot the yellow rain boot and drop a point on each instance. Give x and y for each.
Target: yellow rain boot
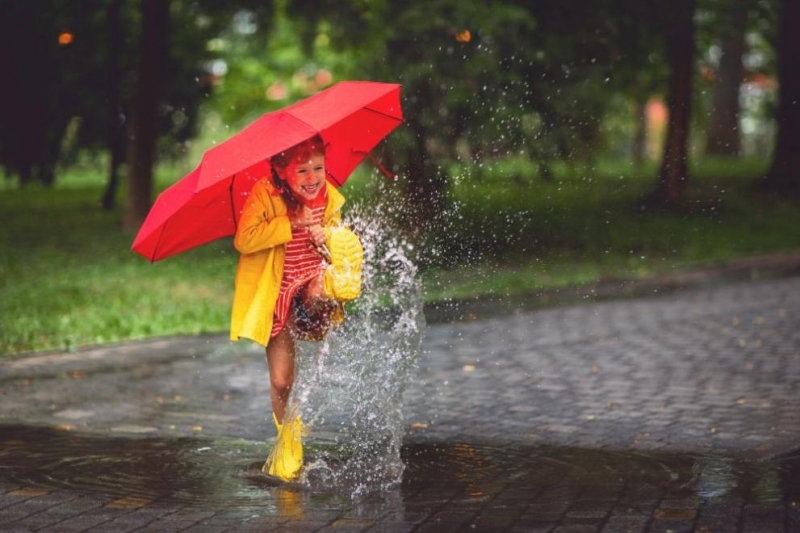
(286, 458)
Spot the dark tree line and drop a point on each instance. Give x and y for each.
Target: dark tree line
(109, 76)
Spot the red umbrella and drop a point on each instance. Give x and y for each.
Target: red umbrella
(352, 117)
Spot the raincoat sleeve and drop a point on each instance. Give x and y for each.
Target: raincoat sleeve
(263, 225)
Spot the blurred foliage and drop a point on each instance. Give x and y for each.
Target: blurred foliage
(60, 64)
(471, 92)
(265, 67)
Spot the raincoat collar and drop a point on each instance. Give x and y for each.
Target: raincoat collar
(335, 202)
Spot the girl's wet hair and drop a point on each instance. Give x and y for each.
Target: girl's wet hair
(299, 152)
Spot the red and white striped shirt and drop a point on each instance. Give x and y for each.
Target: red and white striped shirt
(301, 265)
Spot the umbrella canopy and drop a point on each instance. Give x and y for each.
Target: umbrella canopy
(351, 117)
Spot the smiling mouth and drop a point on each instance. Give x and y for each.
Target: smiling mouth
(310, 188)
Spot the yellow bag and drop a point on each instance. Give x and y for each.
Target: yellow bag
(342, 278)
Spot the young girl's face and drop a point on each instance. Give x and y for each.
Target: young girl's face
(306, 178)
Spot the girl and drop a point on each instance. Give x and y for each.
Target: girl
(278, 296)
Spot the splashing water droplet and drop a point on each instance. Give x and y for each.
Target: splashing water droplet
(349, 388)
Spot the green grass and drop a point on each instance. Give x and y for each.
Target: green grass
(68, 277)
(514, 233)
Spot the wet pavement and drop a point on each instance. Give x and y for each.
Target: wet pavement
(672, 412)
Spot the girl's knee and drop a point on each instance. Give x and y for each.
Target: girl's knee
(282, 384)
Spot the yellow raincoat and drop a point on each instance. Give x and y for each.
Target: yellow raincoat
(261, 236)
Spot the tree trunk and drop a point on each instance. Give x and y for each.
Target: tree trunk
(784, 175)
(679, 32)
(115, 140)
(640, 135)
(723, 126)
(144, 121)
(426, 190)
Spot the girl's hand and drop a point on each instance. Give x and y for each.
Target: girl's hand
(301, 219)
(317, 235)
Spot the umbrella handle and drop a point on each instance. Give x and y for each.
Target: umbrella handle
(380, 167)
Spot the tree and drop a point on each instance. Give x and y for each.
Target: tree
(44, 49)
(723, 135)
(784, 175)
(470, 90)
(144, 121)
(679, 39)
(172, 78)
(74, 66)
(116, 147)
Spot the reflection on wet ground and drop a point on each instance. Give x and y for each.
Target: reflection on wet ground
(446, 486)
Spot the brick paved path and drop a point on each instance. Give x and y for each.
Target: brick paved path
(712, 369)
(651, 414)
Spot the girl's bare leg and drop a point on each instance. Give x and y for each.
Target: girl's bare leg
(313, 298)
(280, 360)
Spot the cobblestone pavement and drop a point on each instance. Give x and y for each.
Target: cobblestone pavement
(675, 412)
(712, 369)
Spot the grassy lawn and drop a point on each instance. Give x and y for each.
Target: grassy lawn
(516, 233)
(68, 277)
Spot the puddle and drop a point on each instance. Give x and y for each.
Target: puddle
(222, 474)
(180, 470)
(486, 470)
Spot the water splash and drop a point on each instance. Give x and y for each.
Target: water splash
(349, 388)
